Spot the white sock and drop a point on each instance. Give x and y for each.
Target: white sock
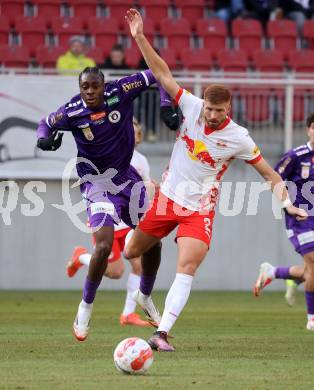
(85, 258)
(175, 301)
(132, 284)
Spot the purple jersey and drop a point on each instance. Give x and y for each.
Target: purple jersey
(297, 166)
(104, 136)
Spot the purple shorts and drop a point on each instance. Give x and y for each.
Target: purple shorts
(302, 238)
(110, 199)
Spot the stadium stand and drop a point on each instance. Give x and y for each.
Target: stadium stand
(233, 60)
(12, 8)
(47, 9)
(63, 29)
(14, 56)
(301, 61)
(156, 10)
(268, 60)
(31, 31)
(117, 8)
(4, 30)
(213, 34)
(169, 55)
(104, 32)
(132, 57)
(177, 33)
(196, 59)
(84, 8)
(308, 34)
(247, 34)
(46, 56)
(282, 35)
(193, 10)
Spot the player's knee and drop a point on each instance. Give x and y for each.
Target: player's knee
(187, 268)
(115, 274)
(131, 251)
(102, 250)
(136, 266)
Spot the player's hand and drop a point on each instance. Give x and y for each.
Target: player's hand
(53, 142)
(299, 214)
(135, 22)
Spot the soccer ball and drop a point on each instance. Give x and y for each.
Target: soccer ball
(133, 356)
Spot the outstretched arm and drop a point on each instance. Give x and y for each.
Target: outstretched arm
(279, 189)
(157, 65)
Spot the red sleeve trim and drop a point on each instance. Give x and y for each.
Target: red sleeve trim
(179, 94)
(255, 160)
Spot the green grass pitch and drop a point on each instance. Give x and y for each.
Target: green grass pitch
(224, 340)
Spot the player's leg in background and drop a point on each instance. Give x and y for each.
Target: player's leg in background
(309, 288)
(268, 272)
(128, 315)
(191, 253)
(139, 243)
(97, 267)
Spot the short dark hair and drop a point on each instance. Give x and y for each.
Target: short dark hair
(117, 47)
(217, 94)
(92, 70)
(310, 120)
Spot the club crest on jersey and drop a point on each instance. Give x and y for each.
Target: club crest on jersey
(114, 116)
(87, 131)
(305, 170)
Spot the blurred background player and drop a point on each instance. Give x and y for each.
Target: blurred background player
(297, 167)
(206, 144)
(116, 267)
(74, 60)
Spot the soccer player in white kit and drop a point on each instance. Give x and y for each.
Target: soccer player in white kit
(115, 269)
(207, 142)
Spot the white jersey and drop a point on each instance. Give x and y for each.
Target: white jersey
(201, 156)
(140, 163)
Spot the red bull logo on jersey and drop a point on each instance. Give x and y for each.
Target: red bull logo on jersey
(197, 150)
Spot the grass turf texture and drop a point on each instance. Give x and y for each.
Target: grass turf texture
(224, 340)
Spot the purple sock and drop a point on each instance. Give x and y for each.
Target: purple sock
(309, 297)
(90, 289)
(147, 284)
(282, 273)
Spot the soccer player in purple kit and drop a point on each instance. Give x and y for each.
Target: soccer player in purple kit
(100, 119)
(297, 167)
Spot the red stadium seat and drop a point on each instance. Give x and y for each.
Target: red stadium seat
(97, 54)
(247, 34)
(12, 8)
(32, 32)
(196, 59)
(149, 32)
(169, 57)
(301, 60)
(117, 9)
(308, 33)
(233, 60)
(65, 28)
(105, 32)
(191, 9)
(14, 56)
(4, 30)
(132, 57)
(156, 10)
(268, 60)
(283, 35)
(177, 32)
(256, 105)
(84, 8)
(299, 104)
(213, 33)
(48, 9)
(46, 56)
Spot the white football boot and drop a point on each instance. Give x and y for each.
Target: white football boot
(82, 320)
(147, 304)
(265, 277)
(291, 291)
